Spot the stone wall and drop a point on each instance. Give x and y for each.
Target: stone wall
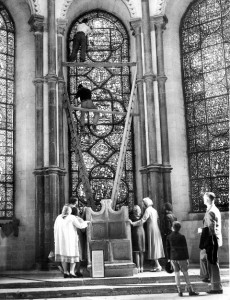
(18, 252)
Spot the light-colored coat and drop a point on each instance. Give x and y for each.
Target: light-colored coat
(155, 245)
(66, 238)
(212, 220)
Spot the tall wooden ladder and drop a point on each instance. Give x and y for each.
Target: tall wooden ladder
(76, 143)
(124, 143)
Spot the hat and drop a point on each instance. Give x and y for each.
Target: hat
(80, 86)
(169, 268)
(147, 201)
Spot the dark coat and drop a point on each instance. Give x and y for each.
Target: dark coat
(176, 246)
(210, 244)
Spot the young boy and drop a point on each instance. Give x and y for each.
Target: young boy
(177, 253)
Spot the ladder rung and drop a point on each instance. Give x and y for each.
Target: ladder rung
(113, 112)
(99, 64)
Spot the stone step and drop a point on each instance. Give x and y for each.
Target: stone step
(99, 290)
(51, 285)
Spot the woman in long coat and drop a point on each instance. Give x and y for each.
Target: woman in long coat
(66, 240)
(155, 245)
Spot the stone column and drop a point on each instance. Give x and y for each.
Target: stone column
(37, 26)
(149, 77)
(61, 82)
(53, 182)
(160, 23)
(136, 25)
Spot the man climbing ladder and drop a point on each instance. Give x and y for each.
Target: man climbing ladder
(86, 102)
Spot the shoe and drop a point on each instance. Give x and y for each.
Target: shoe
(206, 280)
(215, 292)
(78, 274)
(66, 275)
(72, 276)
(180, 294)
(141, 270)
(191, 292)
(138, 270)
(158, 269)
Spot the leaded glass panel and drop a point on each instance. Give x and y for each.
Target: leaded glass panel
(6, 114)
(205, 49)
(110, 91)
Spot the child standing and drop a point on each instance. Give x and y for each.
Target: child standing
(177, 253)
(138, 239)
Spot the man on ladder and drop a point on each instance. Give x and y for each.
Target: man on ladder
(86, 102)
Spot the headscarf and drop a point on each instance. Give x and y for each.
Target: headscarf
(137, 211)
(148, 202)
(66, 210)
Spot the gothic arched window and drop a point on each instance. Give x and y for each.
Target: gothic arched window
(6, 114)
(109, 42)
(205, 54)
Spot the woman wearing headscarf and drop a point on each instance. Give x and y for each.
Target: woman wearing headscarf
(155, 245)
(66, 240)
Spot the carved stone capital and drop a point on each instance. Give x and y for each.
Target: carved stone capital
(159, 22)
(61, 26)
(36, 23)
(136, 26)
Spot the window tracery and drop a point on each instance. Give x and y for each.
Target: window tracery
(205, 49)
(110, 91)
(7, 49)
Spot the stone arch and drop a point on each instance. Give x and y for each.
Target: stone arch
(128, 3)
(34, 6)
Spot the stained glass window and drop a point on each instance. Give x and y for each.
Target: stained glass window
(108, 42)
(205, 52)
(6, 114)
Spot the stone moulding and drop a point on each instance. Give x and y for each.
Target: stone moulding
(129, 3)
(160, 7)
(34, 7)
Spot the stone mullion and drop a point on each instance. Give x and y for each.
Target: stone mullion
(37, 26)
(160, 23)
(149, 77)
(141, 106)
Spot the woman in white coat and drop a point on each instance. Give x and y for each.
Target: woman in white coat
(155, 245)
(66, 240)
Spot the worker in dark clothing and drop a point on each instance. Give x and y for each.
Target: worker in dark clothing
(86, 102)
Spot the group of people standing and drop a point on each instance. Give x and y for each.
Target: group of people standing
(174, 246)
(69, 243)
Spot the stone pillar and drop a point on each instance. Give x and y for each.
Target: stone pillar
(149, 77)
(160, 23)
(61, 82)
(37, 26)
(53, 174)
(136, 25)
